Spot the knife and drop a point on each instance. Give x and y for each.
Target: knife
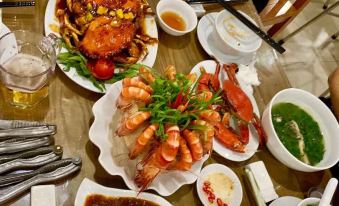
(253, 27)
(71, 166)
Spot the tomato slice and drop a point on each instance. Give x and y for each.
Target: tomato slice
(102, 68)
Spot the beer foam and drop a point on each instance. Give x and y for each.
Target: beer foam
(25, 65)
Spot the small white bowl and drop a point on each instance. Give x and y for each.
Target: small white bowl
(181, 8)
(308, 201)
(212, 168)
(324, 117)
(233, 37)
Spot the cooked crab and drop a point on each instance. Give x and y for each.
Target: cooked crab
(102, 40)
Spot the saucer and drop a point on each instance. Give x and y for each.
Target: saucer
(204, 30)
(286, 200)
(236, 197)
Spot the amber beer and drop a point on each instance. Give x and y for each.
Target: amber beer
(26, 80)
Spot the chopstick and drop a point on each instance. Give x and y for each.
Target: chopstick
(16, 4)
(253, 27)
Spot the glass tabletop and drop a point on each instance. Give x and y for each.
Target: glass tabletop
(69, 107)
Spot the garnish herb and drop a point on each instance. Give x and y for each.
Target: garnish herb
(168, 95)
(74, 59)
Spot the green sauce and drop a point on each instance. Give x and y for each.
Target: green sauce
(282, 116)
(312, 205)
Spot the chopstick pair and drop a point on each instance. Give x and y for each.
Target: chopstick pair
(16, 4)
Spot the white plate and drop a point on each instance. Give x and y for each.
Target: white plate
(212, 168)
(166, 183)
(204, 30)
(286, 200)
(151, 30)
(3, 29)
(88, 187)
(253, 143)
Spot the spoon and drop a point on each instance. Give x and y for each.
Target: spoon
(328, 193)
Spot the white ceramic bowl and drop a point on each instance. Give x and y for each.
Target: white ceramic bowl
(232, 37)
(309, 201)
(236, 198)
(181, 8)
(320, 112)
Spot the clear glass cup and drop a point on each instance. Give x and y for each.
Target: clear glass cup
(27, 63)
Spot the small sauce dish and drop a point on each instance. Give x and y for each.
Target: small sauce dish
(176, 17)
(217, 181)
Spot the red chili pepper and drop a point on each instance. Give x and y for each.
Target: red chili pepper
(212, 195)
(211, 200)
(219, 202)
(178, 101)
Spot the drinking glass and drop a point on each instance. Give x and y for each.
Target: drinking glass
(27, 63)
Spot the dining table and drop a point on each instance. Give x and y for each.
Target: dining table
(69, 106)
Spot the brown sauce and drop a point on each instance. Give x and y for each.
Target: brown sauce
(173, 20)
(101, 200)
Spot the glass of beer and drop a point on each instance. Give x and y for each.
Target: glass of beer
(27, 63)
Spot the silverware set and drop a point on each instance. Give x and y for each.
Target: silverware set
(28, 158)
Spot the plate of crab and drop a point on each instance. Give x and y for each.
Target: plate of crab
(156, 131)
(101, 37)
(238, 132)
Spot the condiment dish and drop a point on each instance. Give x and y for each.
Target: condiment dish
(180, 8)
(320, 113)
(235, 199)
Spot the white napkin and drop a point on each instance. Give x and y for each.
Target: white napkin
(43, 195)
(263, 180)
(199, 9)
(248, 77)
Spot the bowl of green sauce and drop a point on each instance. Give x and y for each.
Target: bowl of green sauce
(302, 132)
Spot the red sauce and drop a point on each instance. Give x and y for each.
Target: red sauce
(173, 20)
(210, 195)
(101, 200)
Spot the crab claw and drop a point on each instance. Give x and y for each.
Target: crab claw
(260, 131)
(228, 138)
